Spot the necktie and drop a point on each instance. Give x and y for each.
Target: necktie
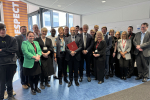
(73, 39)
(84, 40)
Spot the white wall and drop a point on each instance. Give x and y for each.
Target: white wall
(119, 19)
(31, 8)
(76, 20)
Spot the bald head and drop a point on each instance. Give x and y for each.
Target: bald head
(53, 32)
(72, 31)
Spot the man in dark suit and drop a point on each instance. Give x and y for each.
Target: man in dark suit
(108, 40)
(73, 57)
(142, 43)
(20, 38)
(131, 36)
(66, 31)
(87, 45)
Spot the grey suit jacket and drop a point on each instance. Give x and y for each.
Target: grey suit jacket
(108, 40)
(19, 39)
(78, 51)
(146, 43)
(127, 48)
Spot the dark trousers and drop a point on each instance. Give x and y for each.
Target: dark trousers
(24, 79)
(142, 65)
(107, 65)
(87, 59)
(111, 63)
(6, 78)
(131, 65)
(124, 64)
(33, 80)
(44, 78)
(73, 65)
(62, 67)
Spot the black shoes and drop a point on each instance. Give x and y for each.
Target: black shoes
(49, 78)
(65, 79)
(60, 81)
(125, 78)
(12, 98)
(33, 92)
(80, 80)
(47, 84)
(128, 76)
(38, 90)
(77, 83)
(89, 79)
(42, 86)
(107, 76)
(138, 78)
(122, 77)
(70, 83)
(144, 80)
(55, 77)
(95, 79)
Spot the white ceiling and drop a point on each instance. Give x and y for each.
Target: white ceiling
(83, 7)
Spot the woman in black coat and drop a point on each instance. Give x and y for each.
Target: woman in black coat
(99, 53)
(46, 58)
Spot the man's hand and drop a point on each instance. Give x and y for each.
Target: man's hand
(97, 55)
(55, 59)
(73, 53)
(138, 47)
(0, 49)
(85, 52)
(114, 55)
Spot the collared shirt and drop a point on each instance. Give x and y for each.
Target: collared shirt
(72, 38)
(84, 35)
(35, 35)
(24, 37)
(104, 35)
(142, 37)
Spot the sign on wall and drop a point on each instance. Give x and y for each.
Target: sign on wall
(15, 15)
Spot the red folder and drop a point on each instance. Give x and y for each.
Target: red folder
(72, 46)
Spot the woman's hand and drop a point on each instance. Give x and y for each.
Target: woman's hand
(37, 58)
(45, 55)
(114, 54)
(96, 55)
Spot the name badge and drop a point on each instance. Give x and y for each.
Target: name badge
(44, 48)
(96, 51)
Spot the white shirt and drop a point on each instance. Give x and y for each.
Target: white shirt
(35, 35)
(84, 35)
(52, 38)
(124, 42)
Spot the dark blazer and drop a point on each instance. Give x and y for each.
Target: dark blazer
(48, 44)
(108, 40)
(132, 45)
(146, 43)
(101, 50)
(89, 43)
(19, 39)
(78, 51)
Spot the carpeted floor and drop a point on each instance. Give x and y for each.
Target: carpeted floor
(139, 92)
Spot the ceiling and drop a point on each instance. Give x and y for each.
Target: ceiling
(83, 7)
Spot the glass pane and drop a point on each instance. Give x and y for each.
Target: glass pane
(70, 20)
(46, 21)
(59, 18)
(30, 23)
(34, 19)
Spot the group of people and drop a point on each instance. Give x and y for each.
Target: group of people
(39, 54)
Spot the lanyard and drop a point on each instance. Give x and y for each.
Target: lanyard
(98, 44)
(24, 39)
(130, 36)
(123, 43)
(34, 48)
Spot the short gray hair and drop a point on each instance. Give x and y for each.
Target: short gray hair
(86, 26)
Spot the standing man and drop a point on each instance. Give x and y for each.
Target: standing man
(36, 31)
(73, 57)
(142, 52)
(108, 40)
(77, 28)
(8, 48)
(131, 36)
(66, 31)
(53, 38)
(87, 45)
(20, 38)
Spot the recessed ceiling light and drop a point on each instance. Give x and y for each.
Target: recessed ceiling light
(59, 5)
(103, 1)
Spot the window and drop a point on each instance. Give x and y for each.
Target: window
(34, 20)
(47, 22)
(30, 23)
(59, 19)
(70, 20)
